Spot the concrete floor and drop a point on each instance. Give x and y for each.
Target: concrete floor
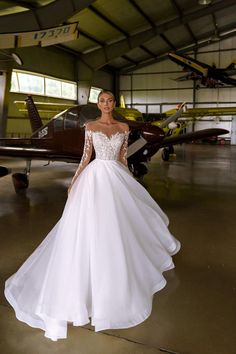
(196, 312)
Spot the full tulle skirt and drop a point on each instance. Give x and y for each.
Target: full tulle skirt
(102, 261)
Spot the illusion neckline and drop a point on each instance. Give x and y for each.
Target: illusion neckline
(109, 137)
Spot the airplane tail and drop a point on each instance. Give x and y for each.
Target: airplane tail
(231, 66)
(35, 120)
(122, 101)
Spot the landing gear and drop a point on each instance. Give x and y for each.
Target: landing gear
(166, 152)
(138, 170)
(21, 180)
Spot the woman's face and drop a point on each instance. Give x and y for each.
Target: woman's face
(106, 103)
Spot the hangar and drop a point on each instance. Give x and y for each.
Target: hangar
(122, 46)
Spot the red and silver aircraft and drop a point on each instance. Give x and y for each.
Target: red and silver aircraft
(62, 139)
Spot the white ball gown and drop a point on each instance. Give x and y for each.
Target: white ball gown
(104, 258)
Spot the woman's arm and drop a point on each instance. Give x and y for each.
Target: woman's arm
(124, 149)
(87, 153)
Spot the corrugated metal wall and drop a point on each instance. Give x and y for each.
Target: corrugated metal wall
(153, 88)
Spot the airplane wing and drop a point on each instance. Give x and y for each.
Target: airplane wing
(32, 153)
(190, 75)
(190, 64)
(200, 134)
(208, 111)
(227, 80)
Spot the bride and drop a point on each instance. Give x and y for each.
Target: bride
(104, 259)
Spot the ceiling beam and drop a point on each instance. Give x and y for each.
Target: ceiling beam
(107, 20)
(204, 41)
(171, 45)
(53, 14)
(126, 57)
(91, 38)
(142, 13)
(151, 23)
(180, 13)
(23, 4)
(100, 57)
(148, 51)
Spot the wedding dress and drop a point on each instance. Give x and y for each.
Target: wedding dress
(104, 258)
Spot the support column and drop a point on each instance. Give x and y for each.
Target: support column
(84, 78)
(5, 82)
(116, 87)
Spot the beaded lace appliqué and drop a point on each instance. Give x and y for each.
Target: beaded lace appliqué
(124, 148)
(87, 152)
(113, 147)
(108, 147)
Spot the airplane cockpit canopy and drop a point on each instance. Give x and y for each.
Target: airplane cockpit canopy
(77, 117)
(91, 112)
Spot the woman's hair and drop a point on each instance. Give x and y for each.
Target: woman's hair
(108, 93)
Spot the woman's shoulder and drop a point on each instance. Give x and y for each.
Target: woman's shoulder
(124, 127)
(91, 124)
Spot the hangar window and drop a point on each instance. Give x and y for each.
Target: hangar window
(93, 94)
(53, 87)
(30, 83)
(26, 82)
(14, 82)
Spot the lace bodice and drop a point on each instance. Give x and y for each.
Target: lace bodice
(113, 147)
(107, 148)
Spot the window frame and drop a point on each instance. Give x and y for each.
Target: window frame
(16, 71)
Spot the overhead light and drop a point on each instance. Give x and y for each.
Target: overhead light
(11, 57)
(204, 2)
(17, 59)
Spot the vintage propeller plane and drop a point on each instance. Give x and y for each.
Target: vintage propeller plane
(207, 75)
(62, 139)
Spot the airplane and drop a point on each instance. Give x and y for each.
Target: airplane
(207, 75)
(62, 139)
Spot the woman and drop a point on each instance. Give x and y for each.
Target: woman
(105, 257)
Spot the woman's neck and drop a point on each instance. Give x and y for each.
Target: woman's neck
(107, 118)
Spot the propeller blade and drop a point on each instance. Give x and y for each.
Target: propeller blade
(136, 146)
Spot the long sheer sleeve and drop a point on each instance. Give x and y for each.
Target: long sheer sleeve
(87, 153)
(124, 149)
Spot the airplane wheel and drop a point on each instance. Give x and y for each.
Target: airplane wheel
(20, 181)
(165, 154)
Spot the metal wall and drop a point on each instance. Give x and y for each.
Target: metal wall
(154, 89)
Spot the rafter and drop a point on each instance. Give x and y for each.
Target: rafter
(141, 12)
(107, 20)
(204, 41)
(101, 57)
(148, 51)
(171, 45)
(24, 4)
(180, 14)
(91, 38)
(50, 15)
(126, 57)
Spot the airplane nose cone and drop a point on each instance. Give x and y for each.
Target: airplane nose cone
(152, 134)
